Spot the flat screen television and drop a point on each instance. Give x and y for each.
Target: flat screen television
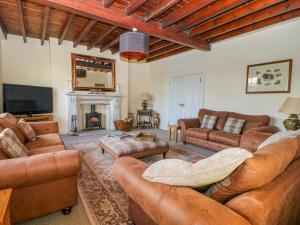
(23, 99)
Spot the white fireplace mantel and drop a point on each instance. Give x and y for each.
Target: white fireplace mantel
(77, 99)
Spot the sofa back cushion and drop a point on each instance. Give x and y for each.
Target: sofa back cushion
(221, 120)
(251, 121)
(261, 169)
(9, 121)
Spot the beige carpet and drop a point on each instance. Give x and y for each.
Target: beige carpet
(77, 217)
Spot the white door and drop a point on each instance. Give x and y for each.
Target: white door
(186, 97)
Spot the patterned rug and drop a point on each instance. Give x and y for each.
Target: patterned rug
(104, 200)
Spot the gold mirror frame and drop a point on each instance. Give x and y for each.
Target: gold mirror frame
(74, 78)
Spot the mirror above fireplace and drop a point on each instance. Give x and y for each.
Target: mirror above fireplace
(89, 72)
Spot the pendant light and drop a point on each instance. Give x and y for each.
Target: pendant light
(134, 46)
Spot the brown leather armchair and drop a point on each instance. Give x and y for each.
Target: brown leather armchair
(45, 181)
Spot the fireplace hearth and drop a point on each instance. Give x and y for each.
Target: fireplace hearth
(93, 119)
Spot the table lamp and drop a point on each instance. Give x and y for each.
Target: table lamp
(145, 98)
(291, 106)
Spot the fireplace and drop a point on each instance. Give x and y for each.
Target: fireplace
(93, 119)
(79, 104)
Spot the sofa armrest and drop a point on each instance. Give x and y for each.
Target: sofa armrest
(265, 129)
(38, 169)
(170, 205)
(252, 139)
(185, 124)
(47, 127)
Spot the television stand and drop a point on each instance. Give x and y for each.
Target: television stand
(37, 118)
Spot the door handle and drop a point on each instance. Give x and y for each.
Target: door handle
(181, 105)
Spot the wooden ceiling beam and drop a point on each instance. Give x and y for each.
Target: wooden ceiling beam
(101, 37)
(45, 24)
(159, 45)
(161, 51)
(85, 30)
(107, 3)
(272, 11)
(21, 19)
(3, 29)
(66, 28)
(110, 44)
(133, 6)
(117, 17)
(256, 26)
(168, 54)
(163, 6)
(114, 51)
(185, 11)
(234, 14)
(215, 9)
(154, 40)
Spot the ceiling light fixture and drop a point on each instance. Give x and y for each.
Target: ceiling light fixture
(134, 46)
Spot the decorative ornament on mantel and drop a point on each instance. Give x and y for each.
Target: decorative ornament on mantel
(134, 46)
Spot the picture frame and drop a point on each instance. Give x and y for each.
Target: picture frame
(270, 77)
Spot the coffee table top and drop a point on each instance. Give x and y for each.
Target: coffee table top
(129, 145)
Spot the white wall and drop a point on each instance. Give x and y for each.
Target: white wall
(50, 65)
(225, 69)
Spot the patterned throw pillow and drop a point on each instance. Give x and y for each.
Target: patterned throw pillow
(11, 145)
(233, 125)
(209, 122)
(27, 130)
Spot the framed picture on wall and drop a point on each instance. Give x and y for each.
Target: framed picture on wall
(271, 77)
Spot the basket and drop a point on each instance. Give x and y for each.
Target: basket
(123, 125)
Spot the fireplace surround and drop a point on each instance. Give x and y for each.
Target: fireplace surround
(76, 100)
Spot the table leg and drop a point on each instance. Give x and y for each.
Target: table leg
(164, 155)
(175, 134)
(169, 134)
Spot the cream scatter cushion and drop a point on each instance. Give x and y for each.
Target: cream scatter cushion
(205, 172)
(280, 136)
(11, 145)
(27, 130)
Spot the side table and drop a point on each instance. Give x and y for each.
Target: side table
(148, 113)
(5, 198)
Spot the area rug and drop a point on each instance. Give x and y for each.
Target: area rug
(104, 200)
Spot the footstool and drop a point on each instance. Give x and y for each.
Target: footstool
(130, 147)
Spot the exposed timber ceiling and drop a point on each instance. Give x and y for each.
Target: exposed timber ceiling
(174, 26)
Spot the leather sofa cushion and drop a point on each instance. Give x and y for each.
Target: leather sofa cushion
(251, 121)
(9, 121)
(266, 164)
(2, 155)
(201, 133)
(222, 117)
(47, 149)
(225, 138)
(44, 141)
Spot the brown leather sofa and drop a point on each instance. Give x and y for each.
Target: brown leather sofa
(275, 203)
(44, 182)
(217, 139)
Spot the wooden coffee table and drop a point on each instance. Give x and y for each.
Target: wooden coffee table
(130, 147)
(5, 198)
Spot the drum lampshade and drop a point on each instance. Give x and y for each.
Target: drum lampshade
(134, 46)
